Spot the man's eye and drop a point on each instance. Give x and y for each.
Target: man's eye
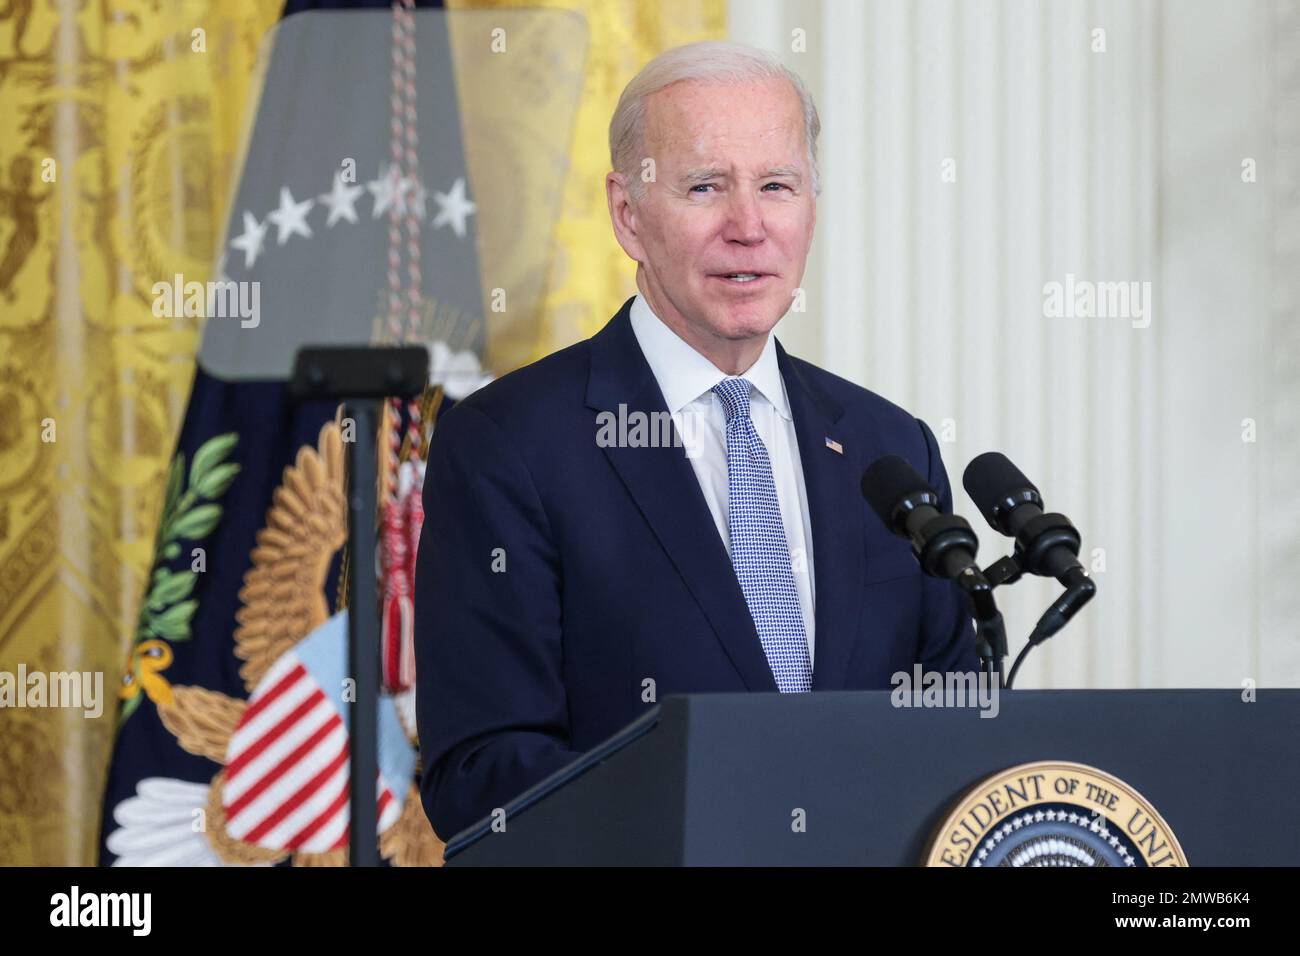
(714, 186)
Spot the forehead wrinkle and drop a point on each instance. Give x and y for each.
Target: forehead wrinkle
(661, 105)
(700, 174)
(683, 134)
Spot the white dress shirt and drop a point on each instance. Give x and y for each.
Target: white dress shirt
(686, 379)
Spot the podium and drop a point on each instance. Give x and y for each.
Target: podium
(848, 778)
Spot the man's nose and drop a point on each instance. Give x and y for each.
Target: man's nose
(744, 218)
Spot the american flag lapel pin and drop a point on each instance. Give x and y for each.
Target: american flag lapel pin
(834, 446)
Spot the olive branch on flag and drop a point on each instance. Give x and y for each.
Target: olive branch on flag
(190, 513)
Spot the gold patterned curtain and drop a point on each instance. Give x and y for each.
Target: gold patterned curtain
(119, 128)
(120, 125)
(590, 275)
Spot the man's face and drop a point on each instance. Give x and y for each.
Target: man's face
(732, 194)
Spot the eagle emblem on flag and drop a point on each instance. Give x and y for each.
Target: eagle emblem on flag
(282, 790)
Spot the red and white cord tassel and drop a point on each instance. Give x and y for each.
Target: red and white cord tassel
(402, 513)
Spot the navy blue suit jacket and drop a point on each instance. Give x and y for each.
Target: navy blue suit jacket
(555, 576)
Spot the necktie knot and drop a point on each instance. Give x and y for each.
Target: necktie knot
(734, 393)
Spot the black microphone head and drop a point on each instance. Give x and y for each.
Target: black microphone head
(997, 486)
(887, 483)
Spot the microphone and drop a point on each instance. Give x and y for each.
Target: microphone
(944, 544)
(1046, 544)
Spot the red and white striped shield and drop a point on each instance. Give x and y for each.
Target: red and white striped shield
(286, 779)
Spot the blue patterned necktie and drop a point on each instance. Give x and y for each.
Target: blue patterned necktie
(759, 551)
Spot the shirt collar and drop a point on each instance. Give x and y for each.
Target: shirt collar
(684, 374)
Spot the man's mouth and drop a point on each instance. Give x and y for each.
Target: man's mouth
(742, 278)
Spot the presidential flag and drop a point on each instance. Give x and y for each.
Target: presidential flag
(354, 221)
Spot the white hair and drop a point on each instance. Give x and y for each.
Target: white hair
(707, 61)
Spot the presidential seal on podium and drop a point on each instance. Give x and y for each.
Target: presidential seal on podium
(1051, 813)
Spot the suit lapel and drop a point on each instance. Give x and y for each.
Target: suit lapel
(663, 484)
(836, 513)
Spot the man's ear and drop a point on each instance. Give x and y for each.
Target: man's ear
(623, 215)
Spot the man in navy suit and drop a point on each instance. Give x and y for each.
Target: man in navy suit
(673, 505)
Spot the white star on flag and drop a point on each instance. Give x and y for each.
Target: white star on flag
(291, 218)
(389, 189)
(250, 240)
(453, 207)
(341, 201)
